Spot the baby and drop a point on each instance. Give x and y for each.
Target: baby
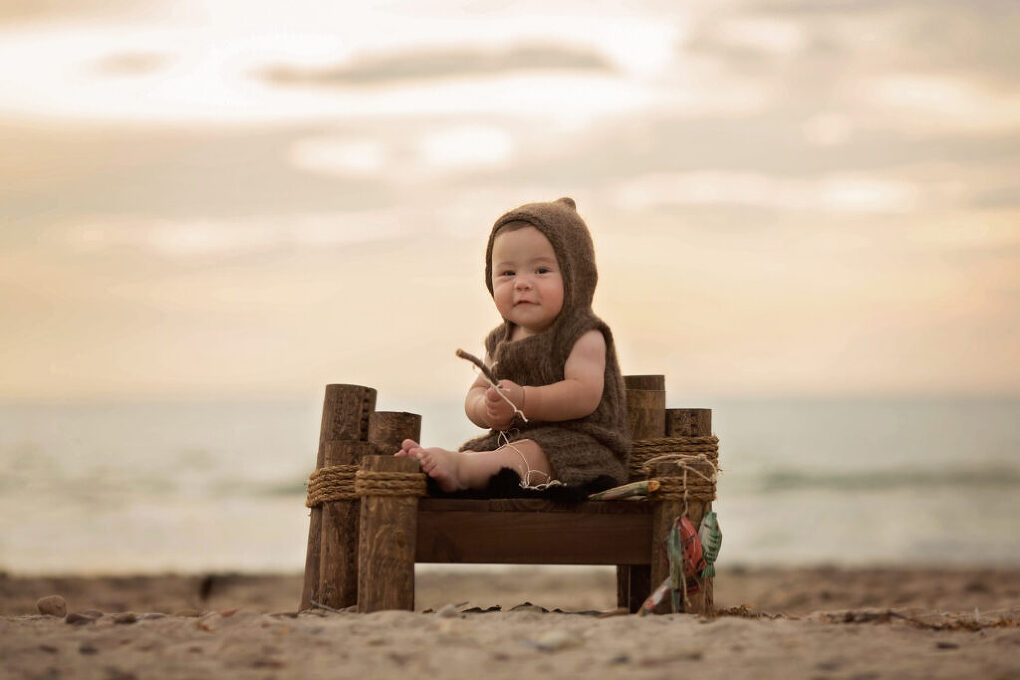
(558, 414)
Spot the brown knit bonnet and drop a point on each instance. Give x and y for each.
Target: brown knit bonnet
(559, 222)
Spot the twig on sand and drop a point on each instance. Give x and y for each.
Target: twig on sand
(319, 605)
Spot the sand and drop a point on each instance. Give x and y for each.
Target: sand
(774, 623)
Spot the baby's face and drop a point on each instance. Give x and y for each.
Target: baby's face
(527, 284)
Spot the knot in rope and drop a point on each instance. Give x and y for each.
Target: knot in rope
(696, 481)
(644, 451)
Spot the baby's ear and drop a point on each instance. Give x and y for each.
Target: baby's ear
(567, 201)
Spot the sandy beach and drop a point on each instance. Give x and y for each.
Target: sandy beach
(772, 623)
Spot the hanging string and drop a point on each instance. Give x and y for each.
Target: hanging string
(687, 463)
(503, 438)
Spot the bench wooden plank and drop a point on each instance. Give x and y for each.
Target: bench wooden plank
(589, 533)
(495, 505)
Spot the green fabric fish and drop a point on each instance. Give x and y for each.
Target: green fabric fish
(711, 541)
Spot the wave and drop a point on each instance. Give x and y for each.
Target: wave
(974, 477)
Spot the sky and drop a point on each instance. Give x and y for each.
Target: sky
(247, 199)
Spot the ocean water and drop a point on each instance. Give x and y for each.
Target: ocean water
(192, 487)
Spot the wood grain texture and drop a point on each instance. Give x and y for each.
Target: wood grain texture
(345, 411)
(338, 562)
(645, 382)
(386, 543)
(646, 410)
(480, 536)
(388, 430)
(688, 422)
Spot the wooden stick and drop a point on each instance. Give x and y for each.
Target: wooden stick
(632, 490)
(480, 364)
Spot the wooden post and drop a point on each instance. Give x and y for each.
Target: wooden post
(646, 408)
(388, 430)
(688, 422)
(386, 542)
(345, 411)
(338, 562)
(695, 422)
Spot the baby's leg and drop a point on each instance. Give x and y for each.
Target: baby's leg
(457, 470)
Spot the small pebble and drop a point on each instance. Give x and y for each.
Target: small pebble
(79, 619)
(88, 648)
(113, 673)
(557, 639)
(946, 645)
(126, 617)
(447, 612)
(52, 605)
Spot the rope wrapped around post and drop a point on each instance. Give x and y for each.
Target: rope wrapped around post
(334, 483)
(374, 483)
(696, 481)
(644, 451)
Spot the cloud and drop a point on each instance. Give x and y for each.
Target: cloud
(832, 193)
(35, 11)
(918, 103)
(441, 63)
(928, 68)
(436, 149)
(976, 38)
(132, 63)
(189, 239)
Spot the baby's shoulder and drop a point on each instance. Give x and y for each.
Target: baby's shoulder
(592, 343)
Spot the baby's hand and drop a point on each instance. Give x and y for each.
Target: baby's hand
(497, 411)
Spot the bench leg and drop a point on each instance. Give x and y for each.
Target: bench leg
(387, 542)
(633, 585)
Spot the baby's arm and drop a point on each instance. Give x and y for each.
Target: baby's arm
(474, 402)
(576, 396)
(580, 391)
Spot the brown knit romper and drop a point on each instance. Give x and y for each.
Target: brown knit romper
(581, 450)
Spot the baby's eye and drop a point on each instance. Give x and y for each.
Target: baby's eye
(543, 270)
(507, 272)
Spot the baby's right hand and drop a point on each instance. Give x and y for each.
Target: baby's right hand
(498, 412)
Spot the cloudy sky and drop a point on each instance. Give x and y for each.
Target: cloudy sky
(225, 198)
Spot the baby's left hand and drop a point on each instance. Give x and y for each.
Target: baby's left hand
(498, 412)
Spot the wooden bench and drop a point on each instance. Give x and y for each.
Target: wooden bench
(364, 543)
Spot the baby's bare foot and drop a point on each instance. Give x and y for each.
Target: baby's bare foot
(406, 448)
(442, 466)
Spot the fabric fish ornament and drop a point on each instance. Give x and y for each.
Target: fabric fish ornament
(711, 541)
(686, 560)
